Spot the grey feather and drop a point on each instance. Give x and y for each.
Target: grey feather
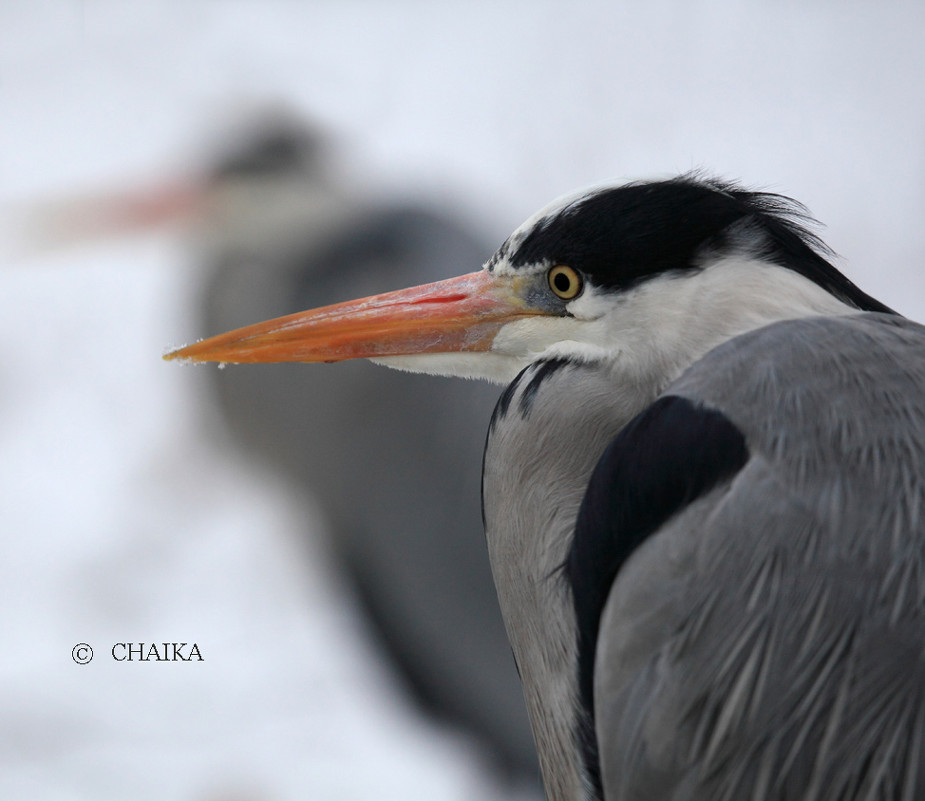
(769, 642)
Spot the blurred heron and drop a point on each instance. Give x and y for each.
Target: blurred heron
(391, 458)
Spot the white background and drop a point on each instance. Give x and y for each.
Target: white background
(121, 522)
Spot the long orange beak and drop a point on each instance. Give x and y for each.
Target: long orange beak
(459, 314)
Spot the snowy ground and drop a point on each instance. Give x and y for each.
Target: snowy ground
(121, 523)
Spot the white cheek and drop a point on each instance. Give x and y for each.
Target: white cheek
(531, 336)
(585, 331)
(592, 304)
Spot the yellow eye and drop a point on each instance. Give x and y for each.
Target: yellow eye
(564, 281)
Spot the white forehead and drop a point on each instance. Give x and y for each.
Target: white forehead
(500, 264)
(552, 210)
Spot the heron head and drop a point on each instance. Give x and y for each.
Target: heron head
(645, 272)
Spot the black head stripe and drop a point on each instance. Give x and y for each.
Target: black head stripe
(623, 235)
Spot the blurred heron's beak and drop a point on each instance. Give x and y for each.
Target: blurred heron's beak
(457, 315)
(69, 221)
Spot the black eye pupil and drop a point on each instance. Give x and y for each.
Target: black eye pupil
(563, 282)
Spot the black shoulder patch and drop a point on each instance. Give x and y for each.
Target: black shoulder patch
(663, 460)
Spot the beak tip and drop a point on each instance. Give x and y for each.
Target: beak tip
(179, 355)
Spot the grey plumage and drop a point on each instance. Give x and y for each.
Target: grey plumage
(769, 642)
(782, 651)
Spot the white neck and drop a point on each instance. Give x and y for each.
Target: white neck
(665, 325)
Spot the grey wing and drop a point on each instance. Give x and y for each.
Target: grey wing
(768, 641)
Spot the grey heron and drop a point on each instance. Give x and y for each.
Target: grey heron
(702, 490)
(272, 227)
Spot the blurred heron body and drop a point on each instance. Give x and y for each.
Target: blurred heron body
(392, 460)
